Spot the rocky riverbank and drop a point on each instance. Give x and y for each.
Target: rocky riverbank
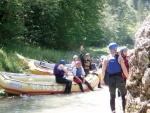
(138, 84)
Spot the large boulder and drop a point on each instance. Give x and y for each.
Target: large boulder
(138, 83)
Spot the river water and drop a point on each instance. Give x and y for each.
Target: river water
(96, 101)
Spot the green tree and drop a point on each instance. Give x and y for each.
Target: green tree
(122, 18)
(11, 21)
(62, 24)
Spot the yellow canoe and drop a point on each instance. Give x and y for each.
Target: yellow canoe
(35, 67)
(16, 83)
(24, 59)
(38, 68)
(42, 68)
(27, 61)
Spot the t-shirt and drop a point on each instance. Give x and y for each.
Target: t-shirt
(73, 64)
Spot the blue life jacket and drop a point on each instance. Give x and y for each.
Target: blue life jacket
(113, 66)
(57, 72)
(79, 72)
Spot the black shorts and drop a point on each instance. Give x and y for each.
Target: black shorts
(116, 81)
(62, 80)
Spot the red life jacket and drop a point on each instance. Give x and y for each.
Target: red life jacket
(126, 62)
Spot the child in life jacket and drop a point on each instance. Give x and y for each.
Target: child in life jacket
(79, 76)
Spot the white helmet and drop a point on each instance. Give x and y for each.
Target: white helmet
(75, 56)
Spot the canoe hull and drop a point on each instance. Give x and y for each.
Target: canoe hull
(37, 85)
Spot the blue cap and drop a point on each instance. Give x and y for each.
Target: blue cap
(112, 46)
(123, 48)
(63, 62)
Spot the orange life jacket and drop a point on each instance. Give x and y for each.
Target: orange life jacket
(126, 62)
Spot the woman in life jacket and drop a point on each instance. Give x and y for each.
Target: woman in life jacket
(79, 76)
(73, 63)
(123, 52)
(114, 65)
(60, 72)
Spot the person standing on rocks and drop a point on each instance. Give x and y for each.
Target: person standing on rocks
(114, 65)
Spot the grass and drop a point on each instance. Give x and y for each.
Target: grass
(9, 61)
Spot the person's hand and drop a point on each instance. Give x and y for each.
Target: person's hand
(83, 80)
(93, 72)
(66, 75)
(102, 82)
(81, 48)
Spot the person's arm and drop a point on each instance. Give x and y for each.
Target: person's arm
(91, 66)
(73, 64)
(82, 59)
(83, 74)
(124, 69)
(74, 71)
(103, 70)
(81, 56)
(64, 69)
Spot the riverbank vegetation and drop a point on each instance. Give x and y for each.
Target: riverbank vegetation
(49, 29)
(11, 63)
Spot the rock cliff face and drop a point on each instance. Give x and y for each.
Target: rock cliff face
(138, 83)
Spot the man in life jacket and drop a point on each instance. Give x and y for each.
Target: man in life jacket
(59, 72)
(86, 63)
(79, 76)
(114, 65)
